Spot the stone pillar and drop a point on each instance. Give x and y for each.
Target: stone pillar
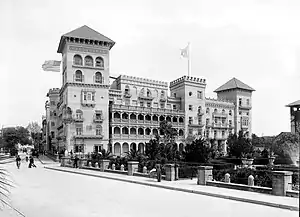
(227, 178)
(132, 167)
(104, 165)
(204, 174)
(82, 162)
(170, 172)
(63, 161)
(90, 164)
(96, 165)
(113, 167)
(122, 167)
(281, 182)
(176, 172)
(250, 180)
(144, 169)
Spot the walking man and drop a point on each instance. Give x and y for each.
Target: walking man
(158, 171)
(18, 161)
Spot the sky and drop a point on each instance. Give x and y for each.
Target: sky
(256, 41)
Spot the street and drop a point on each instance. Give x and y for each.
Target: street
(40, 192)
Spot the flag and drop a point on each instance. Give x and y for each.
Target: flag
(185, 52)
(51, 65)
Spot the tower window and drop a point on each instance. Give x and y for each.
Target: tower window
(199, 94)
(88, 61)
(230, 112)
(98, 78)
(78, 76)
(190, 107)
(77, 60)
(240, 101)
(99, 62)
(190, 93)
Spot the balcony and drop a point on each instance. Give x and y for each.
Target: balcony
(98, 120)
(130, 108)
(200, 113)
(127, 95)
(74, 65)
(220, 137)
(88, 136)
(245, 106)
(245, 126)
(149, 98)
(78, 119)
(191, 125)
(219, 125)
(88, 103)
(219, 114)
(163, 99)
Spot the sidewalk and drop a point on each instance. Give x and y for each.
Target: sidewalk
(46, 160)
(190, 186)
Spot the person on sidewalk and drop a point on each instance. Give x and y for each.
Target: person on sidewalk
(158, 171)
(18, 161)
(31, 162)
(76, 161)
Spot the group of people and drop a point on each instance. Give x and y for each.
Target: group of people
(31, 161)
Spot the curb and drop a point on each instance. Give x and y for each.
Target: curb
(245, 200)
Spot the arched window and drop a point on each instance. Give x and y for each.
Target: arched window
(77, 60)
(142, 92)
(162, 94)
(88, 61)
(223, 111)
(78, 76)
(99, 62)
(127, 89)
(98, 78)
(148, 93)
(199, 109)
(98, 130)
(230, 112)
(216, 111)
(207, 110)
(78, 114)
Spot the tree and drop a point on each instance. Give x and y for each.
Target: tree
(239, 145)
(197, 151)
(35, 133)
(168, 132)
(152, 149)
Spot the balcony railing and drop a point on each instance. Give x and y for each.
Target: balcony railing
(218, 114)
(85, 136)
(199, 125)
(220, 125)
(245, 106)
(200, 113)
(129, 108)
(98, 120)
(146, 97)
(78, 119)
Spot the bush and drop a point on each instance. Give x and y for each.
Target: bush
(118, 161)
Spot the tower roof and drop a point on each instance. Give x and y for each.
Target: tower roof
(85, 32)
(294, 104)
(234, 84)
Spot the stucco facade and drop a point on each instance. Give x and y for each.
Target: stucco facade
(91, 113)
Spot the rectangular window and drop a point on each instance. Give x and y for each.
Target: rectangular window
(93, 96)
(84, 96)
(223, 120)
(98, 131)
(199, 120)
(174, 107)
(52, 124)
(215, 133)
(142, 104)
(175, 95)
(89, 96)
(148, 104)
(134, 102)
(162, 105)
(190, 131)
(240, 113)
(230, 123)
(199, 94)
(127, 101)
(207, 133)
(223, 133)
(190, 120)
(78, 130)
(190, 108)
(248, 102)
(155, 105)
(207, 121)
(240, 101)
(247, 113)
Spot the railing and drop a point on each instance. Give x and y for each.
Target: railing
(220, 125)
(129, 108)
(243, 106)
(218, 114)
(98, 120)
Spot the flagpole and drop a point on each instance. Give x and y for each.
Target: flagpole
(189, 59)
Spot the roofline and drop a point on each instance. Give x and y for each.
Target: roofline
(216, 91)
(62, 42)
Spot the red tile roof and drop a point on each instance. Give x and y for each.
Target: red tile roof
(296, 103)
(234, 84)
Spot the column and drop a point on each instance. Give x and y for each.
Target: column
(204, 174)
(132, 167)
(170, 172)
(281, 182)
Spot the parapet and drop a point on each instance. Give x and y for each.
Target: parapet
(143, 80)
(188, 78)
(219, 101)
(53, 91)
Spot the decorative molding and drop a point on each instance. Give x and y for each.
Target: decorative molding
(88, 50)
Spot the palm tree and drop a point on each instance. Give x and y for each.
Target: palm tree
(4, 185)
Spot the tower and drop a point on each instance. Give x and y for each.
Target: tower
(241, 94)
(84, 94)
(191, 90)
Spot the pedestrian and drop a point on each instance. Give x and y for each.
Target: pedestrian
(18, 161)
(158, 171)
(76, 161)
(31, 162)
